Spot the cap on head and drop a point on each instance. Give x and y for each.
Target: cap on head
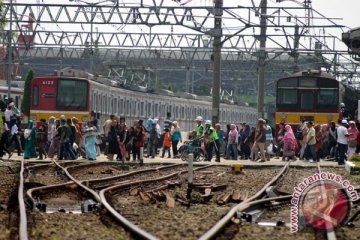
(207, 122)
(199, 118)
(342, 104)
(344, 121)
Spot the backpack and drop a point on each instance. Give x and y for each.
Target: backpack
(299, 134)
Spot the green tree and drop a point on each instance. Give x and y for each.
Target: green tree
(2, 22)
(25, 105)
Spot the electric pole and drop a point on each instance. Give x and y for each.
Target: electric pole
(262, 58)
(216, 33)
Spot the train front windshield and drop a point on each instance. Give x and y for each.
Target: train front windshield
(307, 94)
(71, 93)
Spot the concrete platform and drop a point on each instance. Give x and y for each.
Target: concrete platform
(272, 162)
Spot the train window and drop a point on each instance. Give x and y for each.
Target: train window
(104, 105)
(287, 98)
(182, 114)
(142, 109)
(177, 112)
(223, 115)
(156, 110)
(133, 108)
(137, 112)
(121, 107)
(71, 93)
(127, 107)
(307, 82)
(149, 113)
(288, 82)
(327, 98)
(115, 104)
(307, 100)
(327, 83)
(36, 95)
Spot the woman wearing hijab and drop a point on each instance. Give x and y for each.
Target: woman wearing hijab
(30, 139)
(245, 147)
(232, 142)
(353, 132)
(90, 133)
(175, 138)
(290, 144)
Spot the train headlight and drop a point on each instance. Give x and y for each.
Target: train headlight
(85, 118)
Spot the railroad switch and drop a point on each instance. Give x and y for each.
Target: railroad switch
(88, 206)
(251, 216)
(237, 168)
(41, 206)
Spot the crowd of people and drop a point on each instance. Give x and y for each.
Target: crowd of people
(66, 138)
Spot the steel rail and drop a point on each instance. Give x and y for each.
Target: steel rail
(22, 209)
(95, 195)
(214, 230)
(89, 182)
(330, 233)
(128, 224)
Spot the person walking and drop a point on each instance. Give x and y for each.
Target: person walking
(289, 144)
(212, 141)
(244, 144)
(153, 141)
(54, 147)
(269, 139)
(353, 132)
(15, 135)
(41, 139)
(113, 140)
(122, 140)
(175, 138)
(30, 139)
(167, 121)
(138, 142)
(260, 139)
(90, 133)
(232, 142)
(332, 140)
(166, 143)
(310, 143)
(199, 128)
(342, 142)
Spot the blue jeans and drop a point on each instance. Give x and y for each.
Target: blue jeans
(342, 150)
(232, 147)
(310, 149)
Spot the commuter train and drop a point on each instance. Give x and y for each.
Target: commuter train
(16, 94)
(76, 95)
(311, 95)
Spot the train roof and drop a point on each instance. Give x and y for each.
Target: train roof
(313, 73)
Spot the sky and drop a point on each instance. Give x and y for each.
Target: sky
(347, 9)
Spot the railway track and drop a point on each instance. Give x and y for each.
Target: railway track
(73, 196)
(114, 201)
(216, 189)
(267, 218)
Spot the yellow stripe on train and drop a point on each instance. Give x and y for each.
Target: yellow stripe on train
(296, 118)
(81, 116)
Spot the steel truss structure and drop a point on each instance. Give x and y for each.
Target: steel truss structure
(179, 33)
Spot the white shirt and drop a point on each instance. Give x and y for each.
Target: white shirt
(341, 135)
(8, 114)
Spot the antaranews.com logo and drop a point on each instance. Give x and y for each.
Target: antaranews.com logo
(322, 201)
